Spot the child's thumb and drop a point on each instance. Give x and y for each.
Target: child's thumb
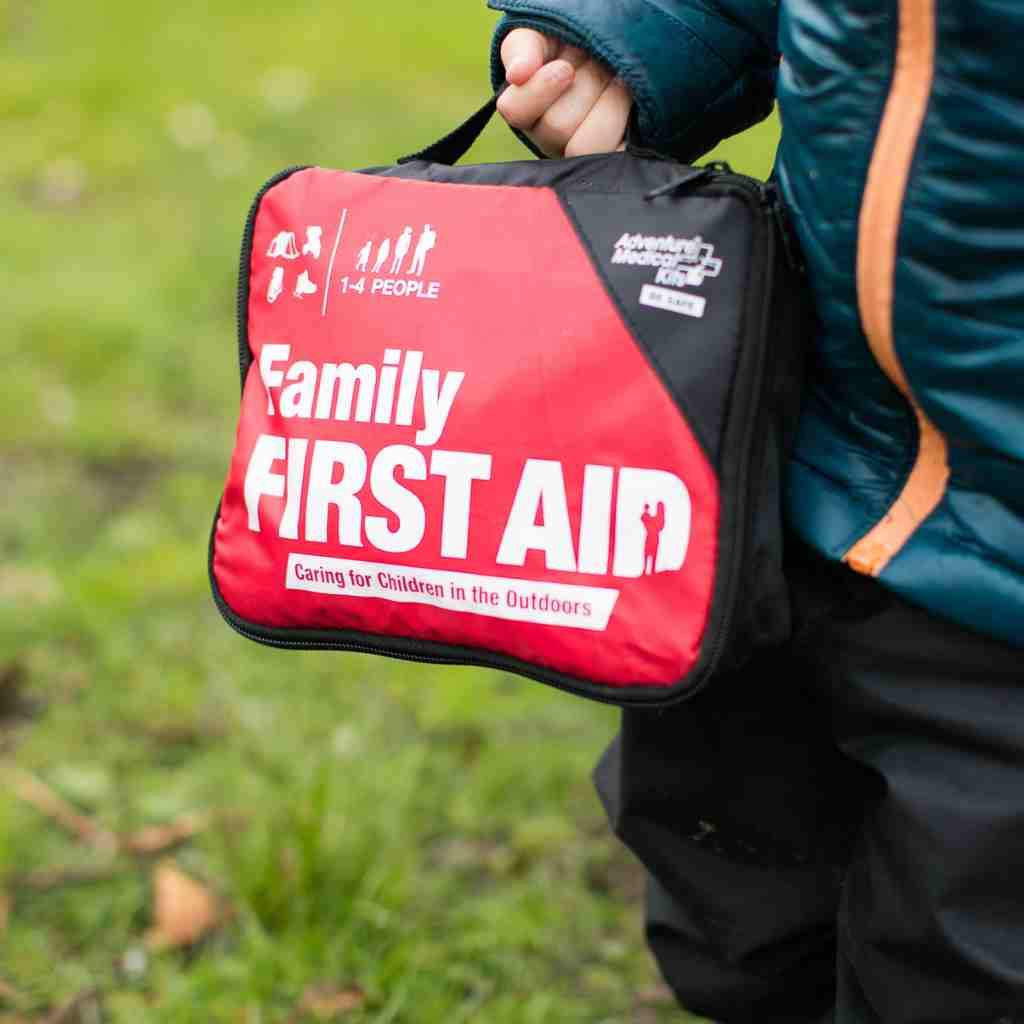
(523, 52)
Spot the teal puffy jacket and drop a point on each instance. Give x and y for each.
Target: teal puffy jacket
(902, 143)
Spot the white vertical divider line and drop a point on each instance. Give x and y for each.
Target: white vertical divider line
(330, 266)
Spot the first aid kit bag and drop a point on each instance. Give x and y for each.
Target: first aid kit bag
(529, 415)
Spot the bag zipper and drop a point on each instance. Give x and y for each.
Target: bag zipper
(244, 269)
(767, 192)
(506, 663)
(765, 197)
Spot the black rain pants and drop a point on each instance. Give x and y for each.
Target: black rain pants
(835, 833)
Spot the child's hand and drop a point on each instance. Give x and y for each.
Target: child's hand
(566, 102)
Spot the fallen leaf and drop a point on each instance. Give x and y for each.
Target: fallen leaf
(184, 910)
(157, 838)
(37, 793)
(146, 841)
(324, 1002)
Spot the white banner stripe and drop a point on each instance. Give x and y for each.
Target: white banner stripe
(553, 604)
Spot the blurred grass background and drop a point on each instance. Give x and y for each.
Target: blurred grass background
(426, 835)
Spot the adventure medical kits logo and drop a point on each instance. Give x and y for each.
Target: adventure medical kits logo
(678, 262)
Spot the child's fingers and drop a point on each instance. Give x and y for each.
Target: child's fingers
(524, 52)
(524, 105)
(604, 128)
(563, 118)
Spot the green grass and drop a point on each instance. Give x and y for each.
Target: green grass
(430, 835)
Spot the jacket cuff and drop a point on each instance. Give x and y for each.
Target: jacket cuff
(688, 94)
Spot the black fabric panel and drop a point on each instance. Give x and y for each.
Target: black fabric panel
(696, 355)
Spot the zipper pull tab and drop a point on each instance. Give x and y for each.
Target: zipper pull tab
(691, 176)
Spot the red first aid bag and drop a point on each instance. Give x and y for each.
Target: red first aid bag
(528, 415)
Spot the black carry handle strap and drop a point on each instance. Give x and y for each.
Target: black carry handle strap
(456, 144)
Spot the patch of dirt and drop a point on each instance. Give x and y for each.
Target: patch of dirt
(91, 490)
(16, 703)
(124, 481)
(18, 706)
(190, 734)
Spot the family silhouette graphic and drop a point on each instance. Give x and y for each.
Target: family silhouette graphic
(426, 242)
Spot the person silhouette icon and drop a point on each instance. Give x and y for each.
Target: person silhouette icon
(314, 240)
(426, 242)
(653, 522)
(363, 260)
(401, 248)
(382, 254)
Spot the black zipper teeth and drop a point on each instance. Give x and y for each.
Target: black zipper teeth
(744, 513)
(244, 268)
(763, 193)
(468, 660)
(763, 198)
(430, 659)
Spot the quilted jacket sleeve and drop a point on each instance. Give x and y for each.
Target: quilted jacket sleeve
(699, 70)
